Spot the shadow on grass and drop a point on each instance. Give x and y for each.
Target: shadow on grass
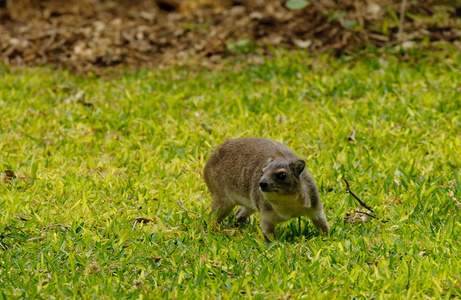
(287, 232)
(293, 231)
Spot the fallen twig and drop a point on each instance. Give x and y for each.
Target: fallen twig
(402, 19)
(185, 209)
(348, 189)
(363, 204)
(365, 213)
(36, 239)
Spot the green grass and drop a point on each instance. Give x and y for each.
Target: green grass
(86, 171)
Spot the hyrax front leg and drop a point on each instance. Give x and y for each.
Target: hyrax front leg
(220, 208)
(268, 225)
(320, 221)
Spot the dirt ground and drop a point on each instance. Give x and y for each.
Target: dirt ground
(91, 35)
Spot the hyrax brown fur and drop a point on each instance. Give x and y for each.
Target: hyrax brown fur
(262, 175)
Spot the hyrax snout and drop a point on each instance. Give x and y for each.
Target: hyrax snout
(262, 175)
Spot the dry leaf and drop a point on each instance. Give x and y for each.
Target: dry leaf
(352, 135)
(92, 268)
(142, 220)
(137, 283)
(47, 279)
(21, 217)
(451, 194)
(357, 217)
(373, 10)
(302, 44)
(8, 175)
(229, 231)
(256, 15)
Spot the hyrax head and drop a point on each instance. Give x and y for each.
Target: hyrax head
(281, 177)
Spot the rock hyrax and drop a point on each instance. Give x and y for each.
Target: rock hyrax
(262, 175)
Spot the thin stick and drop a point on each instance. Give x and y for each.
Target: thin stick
(402, 19)
(348, 189)
(39, 238)
(365, 213)
(134, 225)
(185, 209)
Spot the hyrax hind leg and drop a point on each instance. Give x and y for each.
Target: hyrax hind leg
(220, 208)
(242, 214)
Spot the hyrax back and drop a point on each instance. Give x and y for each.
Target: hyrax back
(265, 176)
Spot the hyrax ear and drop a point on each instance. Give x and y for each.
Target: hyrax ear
(298, 166)
(268, 161)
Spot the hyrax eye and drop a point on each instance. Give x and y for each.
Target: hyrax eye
(281, 176)
(262, 174)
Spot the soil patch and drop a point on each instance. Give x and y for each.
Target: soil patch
(91, 35)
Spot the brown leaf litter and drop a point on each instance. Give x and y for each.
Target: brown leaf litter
(357, 217)
(22, 217)
(8, 175)
(451, 194)
(91, 35)
(142, 220)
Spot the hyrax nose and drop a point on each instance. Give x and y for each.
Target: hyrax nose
(263, 184)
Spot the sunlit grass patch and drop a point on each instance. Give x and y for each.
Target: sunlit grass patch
(92, 154)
